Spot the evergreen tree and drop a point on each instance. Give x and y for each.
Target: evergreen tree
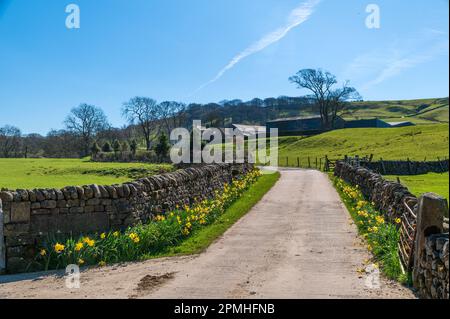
(117, 146)
(95, 149)
(133, 146)
(107, 148)
(163, 147)
(125, 146)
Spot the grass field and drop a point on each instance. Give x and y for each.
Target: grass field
(57, 173)
(432, 182)
(415, 142)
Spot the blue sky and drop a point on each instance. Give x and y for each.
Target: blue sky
(208, 51)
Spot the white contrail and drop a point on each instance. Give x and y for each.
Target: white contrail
(296, 17)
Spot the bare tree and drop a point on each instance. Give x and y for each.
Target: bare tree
(86, 121)
(62, 144)
(143, 112)
(329, 100)
(10, 141)
(33, 145)
(171, 114)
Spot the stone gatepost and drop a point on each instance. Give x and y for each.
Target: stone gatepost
(2, 242)
(430, 220)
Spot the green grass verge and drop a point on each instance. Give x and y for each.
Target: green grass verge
(204, 237)
(381, 236)
(57, 173)
(420, 184)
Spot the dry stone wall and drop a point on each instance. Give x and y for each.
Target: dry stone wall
(387, 196)
(407, 167)
(431, 266)
(30, 216)
(432, 275)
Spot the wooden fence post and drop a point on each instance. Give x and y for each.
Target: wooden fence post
(327, 164)
(316, 162)
(430, 220)
(440, 165)
(309, 162)
(2, 242)
(298, 161)
(382, 166)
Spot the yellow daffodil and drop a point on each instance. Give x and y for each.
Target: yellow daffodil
(79, 246)
(59, 248)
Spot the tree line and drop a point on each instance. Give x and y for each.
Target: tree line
(87, 130)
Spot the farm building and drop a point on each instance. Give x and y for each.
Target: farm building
(401, 124)
(366, 123)
(313, 125)
(249, 130)
(301, 125)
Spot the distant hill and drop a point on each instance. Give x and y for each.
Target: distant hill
(423, 111)
(258, 111)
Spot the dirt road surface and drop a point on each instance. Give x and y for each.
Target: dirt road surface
(297, 242)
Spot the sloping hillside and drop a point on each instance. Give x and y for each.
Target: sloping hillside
(424, 111)
(416, 142)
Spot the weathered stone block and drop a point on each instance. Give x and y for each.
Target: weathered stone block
(61, 204)
(20, 212)
(41, 212)
(16, 264)
(76, 210)
(71, 223)
(93, 202)
(6, 196)
(89, 209)
(16, 229)
(49, 204)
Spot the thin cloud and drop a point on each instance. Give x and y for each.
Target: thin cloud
(296, 17)
(378, 66)
(397, 65)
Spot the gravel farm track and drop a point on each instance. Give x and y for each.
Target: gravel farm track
(297, 242)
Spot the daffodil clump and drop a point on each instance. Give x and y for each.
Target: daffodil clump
(380, 236)
(163, 232)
